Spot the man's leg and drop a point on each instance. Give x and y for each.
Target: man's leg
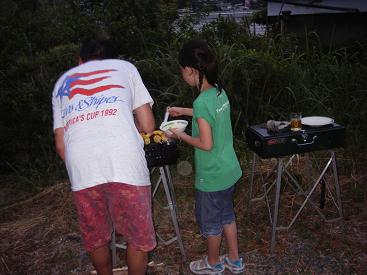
(102, 261)
(95, 226)
(132, 215)
(136, 261)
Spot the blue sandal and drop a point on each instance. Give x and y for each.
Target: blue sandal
(235, 267)
(203, 267)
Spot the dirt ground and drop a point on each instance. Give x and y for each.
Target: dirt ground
(39, 234)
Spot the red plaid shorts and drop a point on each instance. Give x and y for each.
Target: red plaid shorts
(128, 207)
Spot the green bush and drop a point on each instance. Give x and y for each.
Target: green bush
(266, 77)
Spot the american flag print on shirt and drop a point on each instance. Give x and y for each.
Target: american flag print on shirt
(78, 84)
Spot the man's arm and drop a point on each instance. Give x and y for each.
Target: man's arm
(59, 142)
(144, 118)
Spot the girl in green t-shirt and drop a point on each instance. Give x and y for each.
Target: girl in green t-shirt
(216, 166)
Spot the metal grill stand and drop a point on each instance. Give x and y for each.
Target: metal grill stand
(282, 168)
(166, 180)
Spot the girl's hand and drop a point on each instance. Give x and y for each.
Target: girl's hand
(173, 133)
(176, 111)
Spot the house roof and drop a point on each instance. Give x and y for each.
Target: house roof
(301, 7)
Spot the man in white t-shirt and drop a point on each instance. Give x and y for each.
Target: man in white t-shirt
(98, 107)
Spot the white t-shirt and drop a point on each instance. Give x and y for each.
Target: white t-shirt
(94, 103)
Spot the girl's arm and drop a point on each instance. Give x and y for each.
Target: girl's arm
(204, 141)
(179, 111)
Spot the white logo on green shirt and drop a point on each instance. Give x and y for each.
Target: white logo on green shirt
(223, 107)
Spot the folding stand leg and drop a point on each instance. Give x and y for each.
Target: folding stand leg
(172, 205)
(337, 187)
(331, 162)
(252, 180)
(114, 246)
(170, 185)
(276, 206)
(282, 169)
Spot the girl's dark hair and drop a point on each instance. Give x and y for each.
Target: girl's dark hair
(197, 54)
(94, 48)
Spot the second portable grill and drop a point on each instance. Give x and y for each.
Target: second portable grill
(266, 144)
(285, 145)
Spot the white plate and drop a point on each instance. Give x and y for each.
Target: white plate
(317, 121)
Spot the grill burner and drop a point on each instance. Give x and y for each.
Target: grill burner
(266, 144)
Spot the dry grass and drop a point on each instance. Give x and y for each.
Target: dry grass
(40, 235)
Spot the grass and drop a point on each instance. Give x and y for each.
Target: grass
(40, 234)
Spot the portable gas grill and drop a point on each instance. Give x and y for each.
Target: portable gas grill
(286, 142)
(284, 146)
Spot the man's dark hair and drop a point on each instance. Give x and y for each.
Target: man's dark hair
(94, 48)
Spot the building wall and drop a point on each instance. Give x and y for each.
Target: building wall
(332, 28)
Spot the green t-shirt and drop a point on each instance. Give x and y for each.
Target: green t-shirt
(217, 169)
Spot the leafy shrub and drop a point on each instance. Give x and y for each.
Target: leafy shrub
(266, 77)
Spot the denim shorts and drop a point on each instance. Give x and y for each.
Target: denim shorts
(213, 210)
